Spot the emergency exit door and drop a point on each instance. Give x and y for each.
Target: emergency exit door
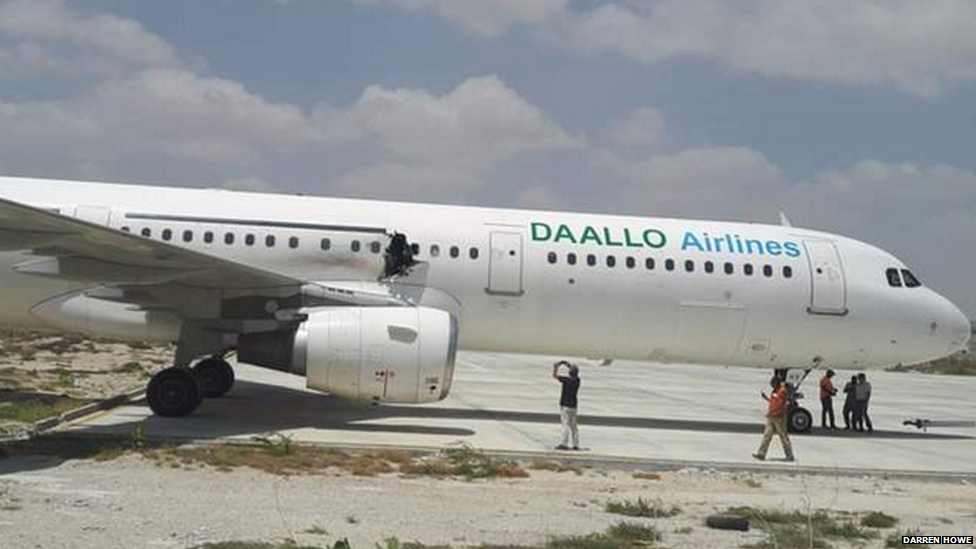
(505, 263)
(828, 289)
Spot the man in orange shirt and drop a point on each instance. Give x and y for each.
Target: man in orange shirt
(827, 392)
(776, 420)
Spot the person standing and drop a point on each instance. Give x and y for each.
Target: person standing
(862, 397)
(568, 403)
(849, 402)
(827, 392)
(776, 420)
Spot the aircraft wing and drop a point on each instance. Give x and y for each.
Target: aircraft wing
(129, 268)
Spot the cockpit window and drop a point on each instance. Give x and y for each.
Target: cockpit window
(894, 280)
(910, 280)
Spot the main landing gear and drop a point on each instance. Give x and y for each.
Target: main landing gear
(177, 392)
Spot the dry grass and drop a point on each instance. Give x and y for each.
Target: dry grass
(877, 519)
(642, 508)
(27, 407)
(646, 475)
(461, 460)
(798, 530)
(554, 466)
(275, 454)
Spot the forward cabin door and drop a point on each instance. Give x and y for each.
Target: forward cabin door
(828, 289)
(505, 263)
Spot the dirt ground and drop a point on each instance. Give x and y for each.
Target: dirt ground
(133, 501)
(58, 372)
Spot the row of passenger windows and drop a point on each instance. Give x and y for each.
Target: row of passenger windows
(670, 265)
(454, 252)
(895, 280)
(271, 241)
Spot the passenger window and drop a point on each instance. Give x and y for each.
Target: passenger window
(611, 261)
(249, 239)
(293, 242)
(473, 253)
(187, 236)
(435, 250)
(552, 256)
(375, 247)
(910, 280)
(747, 269)
(326, 244)
(126, 230)
(631, 262)
(355, 245)
(689, 266)
(415, 248)
(571, 258)
(787, 272)
(709, 267)
(229, 238)
(768, 270)
(455, 251)
(590, 260)
(729, 268)
(269, 241)
(147, 232)
(208, 237)
(894, 280)
(649, 263)
(669, 264)
(167, 234)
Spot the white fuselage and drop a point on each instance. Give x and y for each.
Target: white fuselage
(507, 275)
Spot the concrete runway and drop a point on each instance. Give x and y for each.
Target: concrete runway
(671, 415)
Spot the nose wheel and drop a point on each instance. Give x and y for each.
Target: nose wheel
(799, 420)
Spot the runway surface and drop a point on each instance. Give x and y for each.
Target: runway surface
(630, 410)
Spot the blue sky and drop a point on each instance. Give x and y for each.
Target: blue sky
(851, 116)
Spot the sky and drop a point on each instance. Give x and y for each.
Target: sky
(851, 116)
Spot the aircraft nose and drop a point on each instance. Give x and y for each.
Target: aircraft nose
(954, 324)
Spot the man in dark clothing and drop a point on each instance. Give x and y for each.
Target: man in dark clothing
(862, 396)
(568, 403)
(849, 419)
(827, 392)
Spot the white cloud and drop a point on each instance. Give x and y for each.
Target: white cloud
(46, 36)
(481, 17)
(916, 46)
(174, 123)
(402, 181)
(718, 183)
(642, 127)
(479, 123)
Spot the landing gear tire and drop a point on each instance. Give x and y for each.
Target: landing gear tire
(799, 420)
(174, 392)
(216, 377)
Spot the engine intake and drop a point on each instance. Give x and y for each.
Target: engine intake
(377, 354)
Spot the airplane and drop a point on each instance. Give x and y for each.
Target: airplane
(372, 300)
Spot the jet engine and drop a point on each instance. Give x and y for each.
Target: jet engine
(376, 354)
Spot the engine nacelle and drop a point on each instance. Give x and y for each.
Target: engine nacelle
(377, 354)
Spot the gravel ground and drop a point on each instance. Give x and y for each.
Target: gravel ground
(133, 502)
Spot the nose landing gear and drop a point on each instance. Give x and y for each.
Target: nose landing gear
(798, 419)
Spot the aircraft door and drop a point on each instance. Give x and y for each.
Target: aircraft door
(505, 263)
(828, 289)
